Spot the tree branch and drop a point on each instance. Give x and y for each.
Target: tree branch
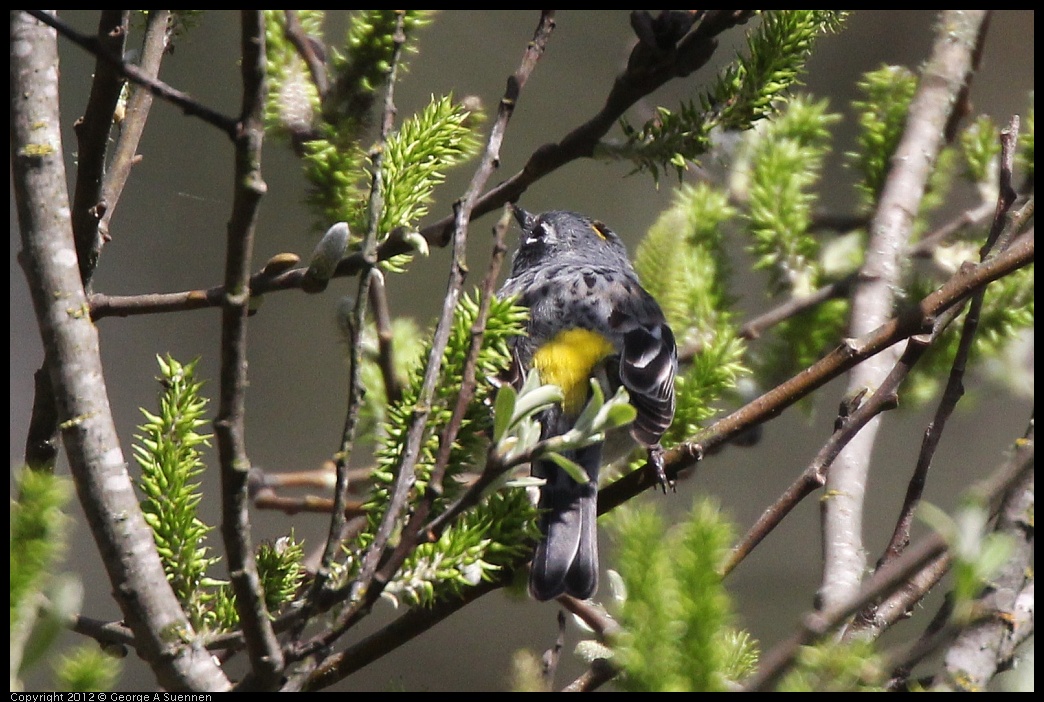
(947, 70)
(894, 575)
(915, 320)
(266, 659)
(163, 633)
(158, 88)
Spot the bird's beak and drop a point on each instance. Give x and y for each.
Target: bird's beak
(524, 219)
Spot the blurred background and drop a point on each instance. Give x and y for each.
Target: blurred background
(169, 233)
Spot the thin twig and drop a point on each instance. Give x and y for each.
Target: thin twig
(125, 152)
(92, 140)
(815, 475)
(371, 582)
(915, 320)
(638, 80)
(266, 658)
(385, 340)
(984, 641)
(415, 530)
(370, 558)
(375, 208)
(954, 389)
(186, 102)
(894, 575)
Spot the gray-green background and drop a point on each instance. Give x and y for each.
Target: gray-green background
(169, 232)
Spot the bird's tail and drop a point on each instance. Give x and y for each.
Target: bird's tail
(566, 558)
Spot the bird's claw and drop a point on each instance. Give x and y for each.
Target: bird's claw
(655, 459)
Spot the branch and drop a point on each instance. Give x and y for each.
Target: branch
(942, 79)
(266, 659)
(916, 320)
(641, 78)
(164, 636)
(985, 648)
(371, 585)
(893, 576)
(128, 70)
(854, 419)
(92, 139)
(954, 389)
(356, 324)
(139, 104)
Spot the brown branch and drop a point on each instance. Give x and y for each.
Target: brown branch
(158, 88)
(413, 623)
(92, 133)
(92, 140)
(893, 576)
(815, 475)
(954, 389)
(641, 78)
(266, 659)
(371, 583)
(916, 320)
(946, 71)
(96, 461)
(382, 321)
(375, 208)
(139, 104)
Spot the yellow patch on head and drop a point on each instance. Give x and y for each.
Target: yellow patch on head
(567, 361)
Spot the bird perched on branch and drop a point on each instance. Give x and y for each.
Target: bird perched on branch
(589, 317)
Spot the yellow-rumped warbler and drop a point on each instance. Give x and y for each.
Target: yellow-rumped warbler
(589, 317)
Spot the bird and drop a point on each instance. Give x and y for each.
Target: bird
(589, 317)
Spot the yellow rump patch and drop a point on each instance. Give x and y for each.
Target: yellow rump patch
(567, 361)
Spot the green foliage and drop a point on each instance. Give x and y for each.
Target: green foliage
(336, 174)
(43, 602)
(416, 156)
(37, 538)
(87, 669)
(361, 68)
(280, 570)
(978, 551)
(676, 616)
(406, 340)
(326, 127)
(498, 531)
(751, 88)
(748, 90)
(37, 542)
(786, 161)
(293, 101)
(1006, 314)
(414, 162)
(168, 451)
(980, 147)
(881, 115)
(527, 673)
(801, 340)
(833, 667)
(683, 263)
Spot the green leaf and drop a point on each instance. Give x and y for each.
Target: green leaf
(572, 468)
(503, 410)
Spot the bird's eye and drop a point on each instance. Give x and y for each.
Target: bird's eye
(539, 233)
